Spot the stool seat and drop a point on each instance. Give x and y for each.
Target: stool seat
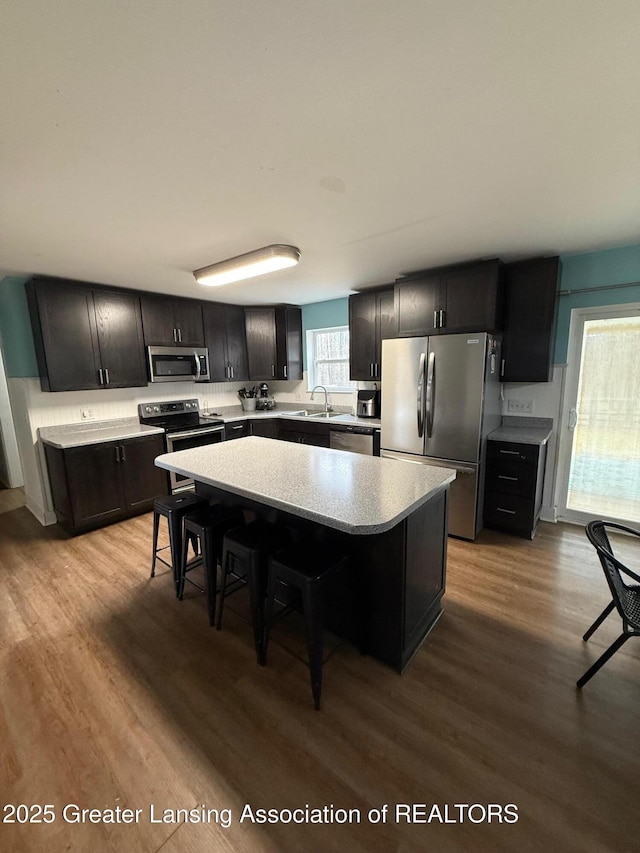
(245, 552)
(306, 569)
(173, 508)
(208, 526)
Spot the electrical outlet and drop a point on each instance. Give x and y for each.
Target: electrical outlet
(520, 406)
(86, 414)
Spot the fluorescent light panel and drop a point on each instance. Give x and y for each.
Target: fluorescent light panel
(261, 261)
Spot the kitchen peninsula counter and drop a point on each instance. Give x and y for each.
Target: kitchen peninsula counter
(390, 518)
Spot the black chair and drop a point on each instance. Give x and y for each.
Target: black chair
(206, 528)
(306, 570)
(245, 552)
(625, 596)
(173, 508)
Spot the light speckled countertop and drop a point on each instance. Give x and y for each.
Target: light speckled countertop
(523, 430)
(93, 432)
(78, 435)
(347, 491)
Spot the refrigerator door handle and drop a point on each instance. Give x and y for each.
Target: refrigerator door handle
(421, 391)
(431, 376)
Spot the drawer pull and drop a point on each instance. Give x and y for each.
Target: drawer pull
(511, 452)
(240, 426)
(508, 511)
(504, 477)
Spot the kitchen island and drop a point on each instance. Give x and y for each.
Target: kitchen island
(390, 519)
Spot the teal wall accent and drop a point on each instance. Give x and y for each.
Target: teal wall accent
(323, 315)
(15, 329)
(595, 269)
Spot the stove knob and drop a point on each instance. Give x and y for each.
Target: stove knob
(147, 409)
(187, 405)
(156, 408)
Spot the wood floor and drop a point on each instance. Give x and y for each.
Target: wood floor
(114, 694)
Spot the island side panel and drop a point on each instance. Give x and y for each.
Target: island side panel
(403, 575)
(425, 572)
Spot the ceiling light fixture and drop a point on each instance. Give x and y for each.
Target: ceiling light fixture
(258, 262)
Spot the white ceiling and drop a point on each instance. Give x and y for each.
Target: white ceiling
(142, 140)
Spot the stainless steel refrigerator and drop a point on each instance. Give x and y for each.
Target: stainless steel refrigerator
(440, 399)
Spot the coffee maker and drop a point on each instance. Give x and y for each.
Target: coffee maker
(368, 404)
(264, 400)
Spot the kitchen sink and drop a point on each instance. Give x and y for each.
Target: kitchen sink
(303, 413)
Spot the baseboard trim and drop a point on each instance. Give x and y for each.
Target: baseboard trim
(45, 517)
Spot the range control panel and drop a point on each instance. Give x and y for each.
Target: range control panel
(170, 407)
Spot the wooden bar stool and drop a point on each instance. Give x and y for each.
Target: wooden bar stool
(245, 553)
(207, 527)
(307, 570)
(173, 508)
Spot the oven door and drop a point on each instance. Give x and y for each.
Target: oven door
(184, 441)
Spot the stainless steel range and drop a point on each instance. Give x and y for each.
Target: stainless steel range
(184, 428)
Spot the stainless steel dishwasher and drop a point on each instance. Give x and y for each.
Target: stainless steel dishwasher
(356, 439)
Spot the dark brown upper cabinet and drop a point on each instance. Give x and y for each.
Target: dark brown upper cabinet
(455, 299)
(530, 300)
(85, 337)
(274, 342)
(172, 322)
(371, 319)
(225, 338)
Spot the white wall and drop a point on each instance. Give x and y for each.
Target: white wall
(547, 401)
(10, 468)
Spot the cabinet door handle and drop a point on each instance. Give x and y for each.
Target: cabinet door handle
(106, 376)
(123, 455)
(443, 318)
(240, 426)
(118, 453)
(175, 336)
(285, 371)
(100, 376)
(508, 511)
(179, 336)
(435, 319)
(231, 372)
(502, 367)
(273, 371)
(504, 477)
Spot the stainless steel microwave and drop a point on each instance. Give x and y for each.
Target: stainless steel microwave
(178, 364)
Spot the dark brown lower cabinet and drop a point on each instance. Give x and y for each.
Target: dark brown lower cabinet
(304, 433)
(267, 428)
(513, 486)
(96, 484)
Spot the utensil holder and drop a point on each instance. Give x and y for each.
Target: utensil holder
(248, 404)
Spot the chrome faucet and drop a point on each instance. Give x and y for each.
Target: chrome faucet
(326, 403)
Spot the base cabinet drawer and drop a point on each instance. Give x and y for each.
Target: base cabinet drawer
(236, 430)
(512, 478)
(508, 510)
